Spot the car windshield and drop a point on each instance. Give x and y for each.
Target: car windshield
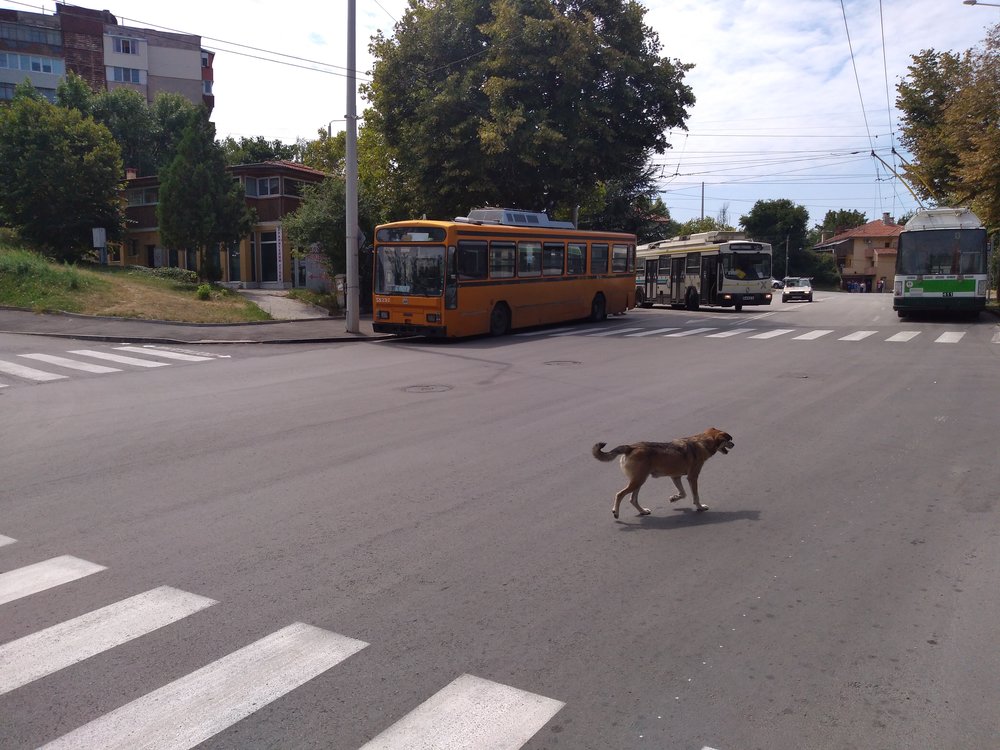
(796, 282)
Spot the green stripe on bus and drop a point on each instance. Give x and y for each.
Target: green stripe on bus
(944, 285)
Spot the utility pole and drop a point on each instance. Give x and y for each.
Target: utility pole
(786, 256)
(351, 157)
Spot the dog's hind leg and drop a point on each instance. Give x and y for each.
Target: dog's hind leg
(632, 487)
(681, 494)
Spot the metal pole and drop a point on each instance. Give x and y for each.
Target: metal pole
(351, 156)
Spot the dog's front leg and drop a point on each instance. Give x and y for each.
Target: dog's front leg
(693, 481)
(681, 494)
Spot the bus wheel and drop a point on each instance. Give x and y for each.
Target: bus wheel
(739, 307)
(598, 308)
(691, 301)
(499, 320)
(900, 313)
(639, 298)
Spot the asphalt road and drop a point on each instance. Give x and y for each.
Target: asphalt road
(432, 514)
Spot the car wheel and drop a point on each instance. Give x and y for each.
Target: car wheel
(784, 298)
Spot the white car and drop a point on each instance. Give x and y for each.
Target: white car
(797, 288)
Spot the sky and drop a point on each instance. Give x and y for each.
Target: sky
(792, 95)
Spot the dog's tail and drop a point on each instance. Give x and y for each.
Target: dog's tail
(600, 455)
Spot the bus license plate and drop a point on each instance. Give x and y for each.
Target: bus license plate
(748, 298)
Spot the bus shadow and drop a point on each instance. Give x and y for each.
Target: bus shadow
(948, 316)
(685, 517)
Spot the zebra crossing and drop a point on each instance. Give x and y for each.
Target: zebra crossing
(469, 712)
(793, 334)
(46, 368)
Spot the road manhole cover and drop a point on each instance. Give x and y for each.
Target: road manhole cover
(562, 362)
(427, 388)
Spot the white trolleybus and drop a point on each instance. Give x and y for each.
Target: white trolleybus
(941, 263)
(721, 269)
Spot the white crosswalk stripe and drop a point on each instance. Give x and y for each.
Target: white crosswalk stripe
(690, 332)
(6, 540)
(15, 584)
(652, 332)
(545, 331)
(189, 710)
(49, 650)
(165, 353)
(28, 373)
(120, 358)
(613, 332)
(72, 364)
(583, 331)
(468, 714)
(772, 334)
(812, 335)
(857, 336)
(903, 336)
(727, 334)
(949, 337)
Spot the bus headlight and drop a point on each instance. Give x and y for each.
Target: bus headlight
(897, 289)
(383, 314)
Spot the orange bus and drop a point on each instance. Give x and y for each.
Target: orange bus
(496, 270)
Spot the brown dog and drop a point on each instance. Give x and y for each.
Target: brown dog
(678, 458)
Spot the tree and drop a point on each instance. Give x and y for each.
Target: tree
(783, 224)
(951, 126)
(327, 153)
(61, 174)
(256, 150)
(171, 114)
(522, 103)
(201, 206)
(74, 93)
(126, 114)
(836, 222)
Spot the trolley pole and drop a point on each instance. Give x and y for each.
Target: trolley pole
(351, 168)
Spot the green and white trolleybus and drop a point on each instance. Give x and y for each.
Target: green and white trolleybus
(941, 263)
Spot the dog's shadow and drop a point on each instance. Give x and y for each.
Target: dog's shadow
(685, 517)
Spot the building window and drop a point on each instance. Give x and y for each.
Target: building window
(6, 91)
(204, 59)
(126, 46)
(262, 186)
(125, 75)
(16, 32)
(206, 88)
(32, 63)
(143, 196)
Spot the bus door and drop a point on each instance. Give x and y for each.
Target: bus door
(650, 291)
(677, 288)
(710, 269)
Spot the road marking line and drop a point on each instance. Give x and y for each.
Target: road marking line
(772, 334)
(653, 332)
(691, 332)
(119, 358)
(996, 338)
(582, 331)
(29, 373)
(21, 582)
(72, 641)
(189, 710)
(6, 540)
(949, 337)
(468, 714)
(727, 334)
(70, 363)
(857, 336)
(812, 335)
(545, 331)
(165, 353)
(613, 332)
(904, 336)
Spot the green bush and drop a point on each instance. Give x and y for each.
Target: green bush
(166, 272)
(204, 291)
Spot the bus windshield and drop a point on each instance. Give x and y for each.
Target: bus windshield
(416, 270)
(944, 252)
(747, 266)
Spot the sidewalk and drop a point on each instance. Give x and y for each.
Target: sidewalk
(296, 323)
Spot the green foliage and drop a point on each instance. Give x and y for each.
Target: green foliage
(28, 280)
(204, 292)
(783, 224)
(74, 93)
(61, 174)
(200, 205)
(520, 103)
(951, 125)
(256, 150)
(126, 114)
(180, 275)
(327, 153)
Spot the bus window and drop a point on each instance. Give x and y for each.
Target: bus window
(693, 264)
(552, 259)
(529, 258)
(619, 258)
(575, 262)
(598, 258)
(472, 256)
(501, 260)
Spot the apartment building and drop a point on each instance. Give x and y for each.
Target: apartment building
(91, 43)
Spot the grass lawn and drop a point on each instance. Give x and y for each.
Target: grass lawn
(30, 281)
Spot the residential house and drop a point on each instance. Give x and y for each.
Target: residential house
(262, 259)
(92, 44)
(865, 254)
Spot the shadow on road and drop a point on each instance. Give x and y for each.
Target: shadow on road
(684, 517)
